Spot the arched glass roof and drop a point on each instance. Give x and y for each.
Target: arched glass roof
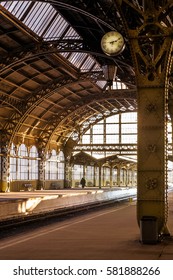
(47, 23)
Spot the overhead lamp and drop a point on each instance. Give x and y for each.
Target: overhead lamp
(109, 72)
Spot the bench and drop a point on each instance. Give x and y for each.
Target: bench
(28, 187)
(54, 186)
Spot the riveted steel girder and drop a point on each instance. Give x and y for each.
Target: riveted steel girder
(23, 109)
(151, 47)
(5, 99)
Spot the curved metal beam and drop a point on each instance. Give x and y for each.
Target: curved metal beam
(78, 108)
(46, 48)
(36, 98)
(11, 102)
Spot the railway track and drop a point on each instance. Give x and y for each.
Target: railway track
(62, 213)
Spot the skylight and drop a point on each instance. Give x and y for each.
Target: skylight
(45, 21)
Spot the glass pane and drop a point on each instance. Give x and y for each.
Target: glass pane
(61, 170)
(119, 85)
(22, 150)
(129, 117)
(169, 127)
(61, 156)
(112, 139)
(87, 65)
(97, 139)
(112, 119)
(86, 139)
(39, 17)
(90, 174)
(77, 58)
(13, 169)
(33, 169)
(77, 172)
(129, 139)
(17, 8)
(129, 128)
(112, 128)
(56, 28)
(98, 129)
(169, 137)
(33, 152)
(71, 34)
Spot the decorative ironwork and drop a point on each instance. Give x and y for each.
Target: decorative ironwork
(151, 148)
(107, 147)
(152, 184)
(151, 107)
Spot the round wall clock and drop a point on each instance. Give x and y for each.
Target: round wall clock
(112, 43)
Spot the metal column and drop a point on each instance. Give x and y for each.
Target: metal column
(151, 49)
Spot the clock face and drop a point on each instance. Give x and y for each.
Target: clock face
(112, 43)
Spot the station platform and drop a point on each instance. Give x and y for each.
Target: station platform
(111, 234)
(15, 204)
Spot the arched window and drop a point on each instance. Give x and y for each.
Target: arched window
(77, 172)
(106, 176)
(116, 129)
(33, 163)
(47, 166)
(90, 175)
(123, 176)
(61, 165)
(114, 176)
(13, 163)
(51, 167)
(96, 176)
(23, 163)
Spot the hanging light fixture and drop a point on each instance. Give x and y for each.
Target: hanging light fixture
(109, 72)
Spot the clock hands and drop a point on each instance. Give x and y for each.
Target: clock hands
(114, 41)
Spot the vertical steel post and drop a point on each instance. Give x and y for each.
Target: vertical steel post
(151, 47)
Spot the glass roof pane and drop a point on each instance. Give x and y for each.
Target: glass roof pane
(77, 58)
(56, 28)
(16, 7)
(101, 84)
(71, 34)
(65, 54)
(43, 19)
(39, 17)
(97, 67)
(119, 85)
(87, 65)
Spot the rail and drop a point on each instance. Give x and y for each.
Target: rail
(62, 212)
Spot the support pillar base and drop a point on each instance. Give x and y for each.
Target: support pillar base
(165, 231)
(4, 186)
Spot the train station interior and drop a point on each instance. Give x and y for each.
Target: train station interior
(86, 91)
